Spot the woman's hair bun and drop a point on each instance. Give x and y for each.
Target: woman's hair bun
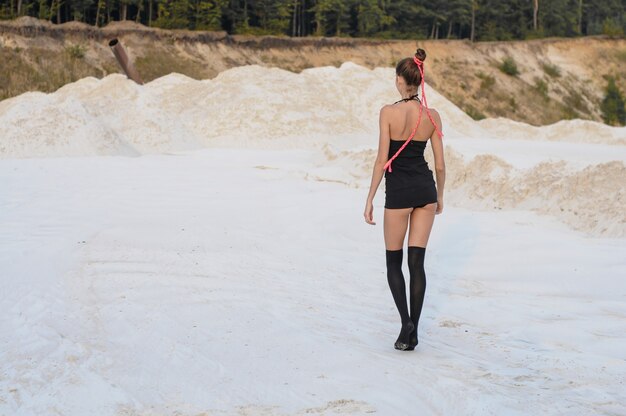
(420, 54)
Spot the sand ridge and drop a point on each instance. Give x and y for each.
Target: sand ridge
(573, 169)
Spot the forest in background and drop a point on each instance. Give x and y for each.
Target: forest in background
(481, 20)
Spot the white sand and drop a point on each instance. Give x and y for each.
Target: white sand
(573, 170)
(241, 279)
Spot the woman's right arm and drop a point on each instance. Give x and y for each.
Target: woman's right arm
(378, 171)
(440, 165)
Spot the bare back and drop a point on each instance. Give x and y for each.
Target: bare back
(402, 120)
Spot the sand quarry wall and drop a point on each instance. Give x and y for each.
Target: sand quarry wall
(558, 79)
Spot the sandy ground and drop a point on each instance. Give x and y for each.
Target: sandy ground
(145, 286)
(215, 265)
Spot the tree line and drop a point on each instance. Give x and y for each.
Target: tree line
(399, 19)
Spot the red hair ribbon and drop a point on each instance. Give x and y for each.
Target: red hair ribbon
(420, 66)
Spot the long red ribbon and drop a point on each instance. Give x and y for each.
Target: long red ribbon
(420, 66)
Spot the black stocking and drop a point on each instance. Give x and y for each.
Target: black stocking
(417, 286)
(395, 278)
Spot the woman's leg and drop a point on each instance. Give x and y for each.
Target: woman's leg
(395, 226)
(396, 222)
(421, 224)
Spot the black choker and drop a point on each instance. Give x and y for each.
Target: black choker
(412, 97)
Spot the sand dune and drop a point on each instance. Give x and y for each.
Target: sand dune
(250, 105)
(573, 170)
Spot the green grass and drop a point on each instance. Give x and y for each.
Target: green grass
(75, 51)
(574, 100)
(509, 67)
(612, 27)
(551, 70)
(474, 113)
(40, 70)
(155, 64)
(569, 113)
(487, 81)
(542, 87)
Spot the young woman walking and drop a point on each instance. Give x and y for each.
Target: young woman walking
(412, 199)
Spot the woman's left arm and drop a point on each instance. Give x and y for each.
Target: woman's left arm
(379, 165)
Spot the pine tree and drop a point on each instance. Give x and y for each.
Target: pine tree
(100, 6)
(597, 14)
(174, 14)
(331, 17)
(559, 18)
(208, 14)
(274, 15)
(79, 8)
(371, 18)
(613, 106)
(413, 18)
(459, 13)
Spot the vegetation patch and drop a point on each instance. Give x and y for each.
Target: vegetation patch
(569, 113)
(613, 107)
(75, 51)
(483, 20)
(474, 112)
(41, 70)
(551, 70)
(612, 27)
(509, 66)
(486, 81)
(574, 99)
(542, 87)
(155, 64)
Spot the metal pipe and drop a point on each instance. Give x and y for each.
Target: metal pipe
(122, 59)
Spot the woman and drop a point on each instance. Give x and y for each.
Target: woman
(411, 197)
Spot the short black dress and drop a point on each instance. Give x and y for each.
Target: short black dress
(410, 184)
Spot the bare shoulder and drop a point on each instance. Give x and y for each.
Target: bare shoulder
(386, 109)
(391, 109)
(435, 114)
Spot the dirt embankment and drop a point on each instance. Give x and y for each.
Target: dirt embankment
(557, 78)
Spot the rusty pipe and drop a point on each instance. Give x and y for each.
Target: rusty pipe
(122, 59)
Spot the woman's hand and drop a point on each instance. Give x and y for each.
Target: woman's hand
(369, 213)
(439, 206)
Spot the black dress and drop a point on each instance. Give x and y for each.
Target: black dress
(410, 184)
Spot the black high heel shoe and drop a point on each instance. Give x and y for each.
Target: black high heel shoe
(403, 341)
